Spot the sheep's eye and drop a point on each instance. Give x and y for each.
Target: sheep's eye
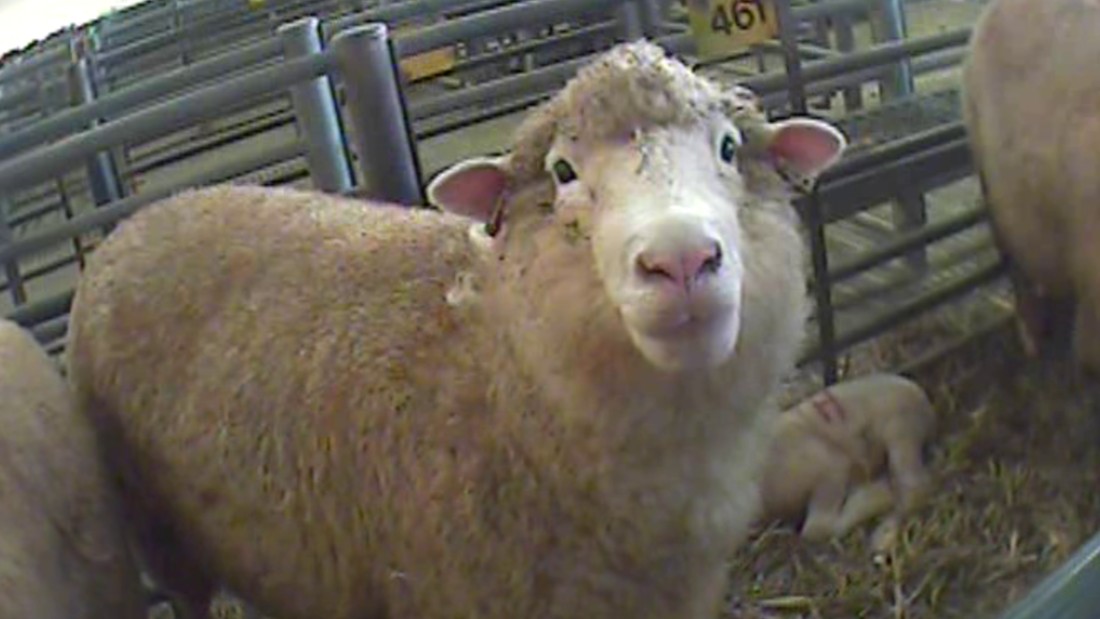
(728, 148)
(564, 172)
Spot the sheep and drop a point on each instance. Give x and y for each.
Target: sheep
(63, 554)
(847, 454)
(1030, 109)
(539, 399)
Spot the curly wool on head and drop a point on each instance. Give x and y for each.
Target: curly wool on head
(634, 85)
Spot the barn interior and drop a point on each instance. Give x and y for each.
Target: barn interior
(101, 118)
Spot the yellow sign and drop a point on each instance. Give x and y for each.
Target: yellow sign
(426, 64)
(725, 27)
(255, 4)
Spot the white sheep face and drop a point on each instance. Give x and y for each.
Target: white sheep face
(659, 206)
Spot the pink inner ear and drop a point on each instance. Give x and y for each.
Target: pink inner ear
(807, 147)
(472, 191)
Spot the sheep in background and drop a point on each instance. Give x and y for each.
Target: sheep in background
(63, 553)
(1031, 110)
(544, 402)
(847, 454)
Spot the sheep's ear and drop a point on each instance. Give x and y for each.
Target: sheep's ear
(470, 188)
(805, 147)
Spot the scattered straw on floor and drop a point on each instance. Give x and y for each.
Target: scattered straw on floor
(1016, 464)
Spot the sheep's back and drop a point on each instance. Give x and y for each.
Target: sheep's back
(1030, 103)
(294, 344)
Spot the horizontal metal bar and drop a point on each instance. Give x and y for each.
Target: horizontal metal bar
(36, 313)
(51, 330)
(1072, 591)
(516, 85)
(119, 210)
(16, 97)
(818, 10)
(535, 45)
(893, 150)
(877, 55)
(920, 237)
(515, 15)
(935, 166)
(123, 100)
(117, 24)
(159, 119)
(391, 14)
(498, 89)
(27, 65)
(915, 307)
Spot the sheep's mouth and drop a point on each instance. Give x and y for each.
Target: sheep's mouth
(684, 324)
(685, 340)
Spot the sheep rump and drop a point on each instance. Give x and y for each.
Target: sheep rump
(1030, 92)
(62, 551)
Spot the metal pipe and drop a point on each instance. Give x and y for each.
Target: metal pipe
(833, 8)
(486, 23)
(396, 12)
(792, 61)
(582, 33)
(630, 20)
(113, 213)
(907, 242)
(823, 299)
(159, 119)
(1072, 591)
(102, 176)
(911, 309)
(11, 265)
(388, 163)
(121, 101)
(502, 88)
(892, 17)
(46, 309)
(316, 112)
(20, 70)
(16, 97)
(519, 85)
(876, 56)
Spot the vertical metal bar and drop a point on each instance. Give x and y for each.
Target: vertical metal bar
(888, 19)
(823, 289)
(316, 112)
(67, 209)
(630, 20)
(910, 210)
(102, 174)
(381, 131)
(846, 43)
(11, 267)
(651, 17)
(796, 89)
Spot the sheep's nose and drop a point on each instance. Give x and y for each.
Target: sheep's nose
(682, 266)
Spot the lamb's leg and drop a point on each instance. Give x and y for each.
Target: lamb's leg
(826, 502)
(865, 502)
(911, 478)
